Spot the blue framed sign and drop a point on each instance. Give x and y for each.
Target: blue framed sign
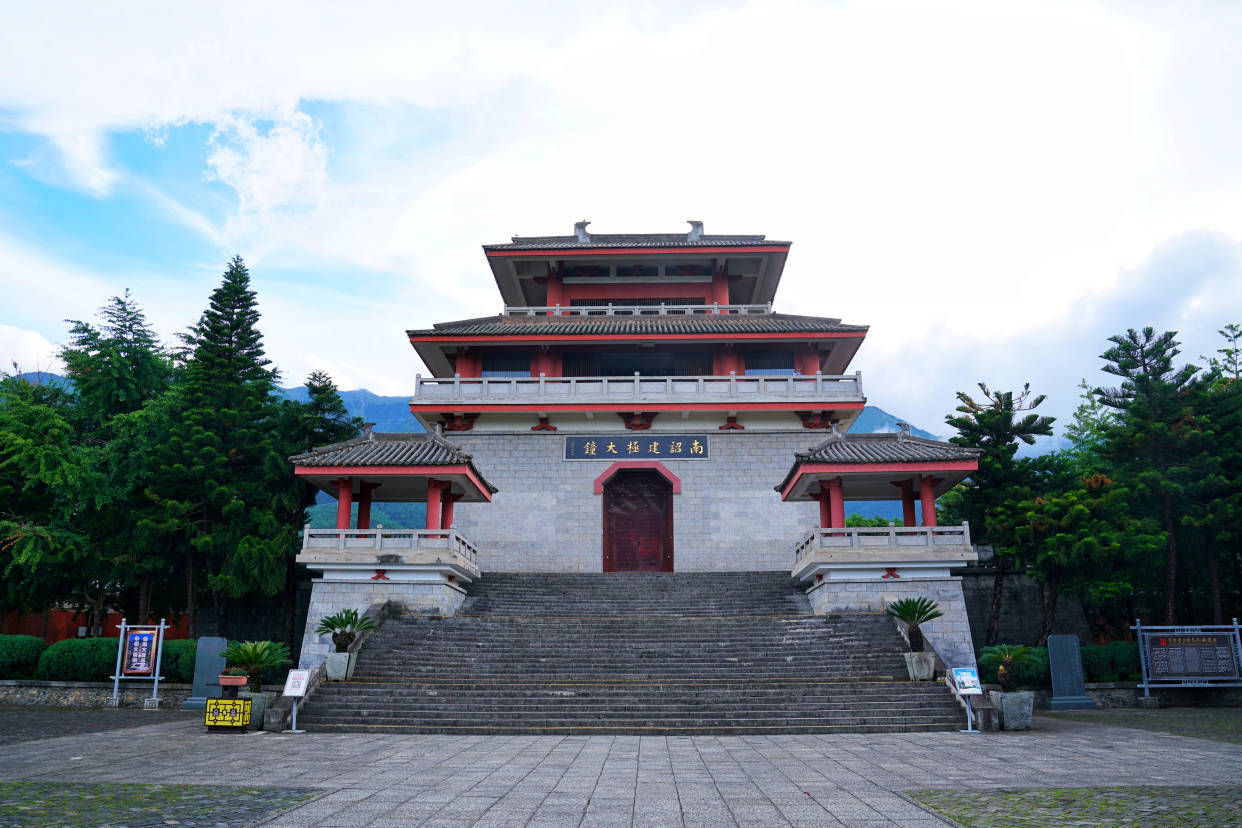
(638, 447)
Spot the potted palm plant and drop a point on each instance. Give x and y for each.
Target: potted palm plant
(1015, 706)
(344, 627)
(254, 657)
(912, 612)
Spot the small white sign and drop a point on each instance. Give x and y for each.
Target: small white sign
(967, 681)
(295, 684)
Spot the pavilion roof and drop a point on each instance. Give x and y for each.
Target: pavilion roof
(390, 450)
(880, 450)
(622, 240)
(711, 323)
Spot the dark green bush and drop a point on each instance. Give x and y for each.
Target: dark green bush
(1124, 656)
(19, 655)
(1097, 664)
(1034, 674)
(177, 663)
(79, 659)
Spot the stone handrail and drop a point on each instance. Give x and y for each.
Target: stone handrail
(634, 310)
(731, 387)
(390, 540)
(856, 537)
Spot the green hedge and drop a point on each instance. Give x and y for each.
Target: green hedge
(177, 663)
(79, 659)
(1115, 661)
(19, 655)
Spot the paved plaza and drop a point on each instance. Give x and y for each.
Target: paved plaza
(812, 780)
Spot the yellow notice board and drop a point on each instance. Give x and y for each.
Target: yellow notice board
(227, 713)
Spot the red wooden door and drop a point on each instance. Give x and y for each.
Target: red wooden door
(638, 523)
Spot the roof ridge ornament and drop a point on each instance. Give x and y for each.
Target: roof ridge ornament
(904, 432)
(368, 431)
(696, 230)
(580, 231)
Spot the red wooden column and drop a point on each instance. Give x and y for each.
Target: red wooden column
(907, 502)
(344, 501)
(446, 509)
(825, 514)
(928, 496)
(364, 504)
(720, 289)
(807, 362)
(435, 501)
(836, 503)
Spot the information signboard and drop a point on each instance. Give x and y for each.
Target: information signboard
(295, 683)
(967, 681)
(139, 657)
(638, 447)
(1191, 655)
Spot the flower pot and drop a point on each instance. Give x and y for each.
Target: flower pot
(340, 666)
(921, 666)
(1014, 708)
(233, 681)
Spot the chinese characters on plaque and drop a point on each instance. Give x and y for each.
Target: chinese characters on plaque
(1199, 655)
(139, 657)
(645, 447)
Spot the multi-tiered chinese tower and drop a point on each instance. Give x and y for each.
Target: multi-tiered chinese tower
(638, 407)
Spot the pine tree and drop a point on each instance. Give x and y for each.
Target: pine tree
(211, 472)
(995, 425)
(1155, 435)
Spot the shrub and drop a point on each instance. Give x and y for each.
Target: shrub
(79, 659)
(1032, 672)
(19, 655)
(177, 663)
(1124, 656)
(1097, 664)
(263, 661)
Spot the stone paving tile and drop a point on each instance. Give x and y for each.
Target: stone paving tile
(1187, 807)
(134, 805)
(29, 722)
(845, 779)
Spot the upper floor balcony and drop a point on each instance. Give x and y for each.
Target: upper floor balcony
(795, 390)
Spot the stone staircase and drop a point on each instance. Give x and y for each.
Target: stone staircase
(638, 654)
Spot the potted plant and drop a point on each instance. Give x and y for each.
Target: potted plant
(253, 657)
(912, 612)
(344, 627)
(233, 677)
(1015, 706)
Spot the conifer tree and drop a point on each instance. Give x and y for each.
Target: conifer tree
(211, 473)
(1155, 436)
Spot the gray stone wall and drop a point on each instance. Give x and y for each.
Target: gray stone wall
(547, 518)
(89, 693)
(949, 634)
(1019, 618)
(328, 597)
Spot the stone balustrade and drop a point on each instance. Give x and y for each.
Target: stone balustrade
(794, 389)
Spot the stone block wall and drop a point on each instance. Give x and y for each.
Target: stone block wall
(328, 597)
(88, 693)
(949, 634)
(547, 517)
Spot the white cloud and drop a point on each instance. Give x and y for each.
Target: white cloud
(973, 179)
(26, 351)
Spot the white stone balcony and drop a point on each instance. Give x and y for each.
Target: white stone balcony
(637, 390)
(405, 555)
(882, 552)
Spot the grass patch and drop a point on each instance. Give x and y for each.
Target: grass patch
(1111, 806)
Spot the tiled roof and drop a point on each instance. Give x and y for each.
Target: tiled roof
(878, 448)
(629, 240)
(639, 325)
(375, 449)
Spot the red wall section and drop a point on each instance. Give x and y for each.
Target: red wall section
(64, 624)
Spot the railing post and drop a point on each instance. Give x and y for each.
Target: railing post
(858, 382)
(819, 381)
(966, 532)
(732, 383)
(340, 538)
(542, 381)
(637, 388)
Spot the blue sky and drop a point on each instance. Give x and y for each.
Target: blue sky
(995, 188)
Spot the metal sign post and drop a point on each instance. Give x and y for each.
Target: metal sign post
(139, 655)
(295, 688)
(966, 680)
(1202, 656)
